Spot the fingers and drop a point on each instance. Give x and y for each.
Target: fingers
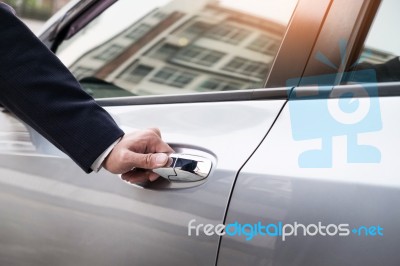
(149, 160)
(156, 130)
(144, 161)
(142, 149)
(138, 176)
(159, 144)
(154, 143)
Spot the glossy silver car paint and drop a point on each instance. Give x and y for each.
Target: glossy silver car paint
(53, 213)
(272, 187)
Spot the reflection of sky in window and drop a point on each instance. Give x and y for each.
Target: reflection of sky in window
(385, 33)
(279, 11)
(124, 13)
(115, 19)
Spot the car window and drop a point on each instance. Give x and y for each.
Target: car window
(158, 47)
(382, 46)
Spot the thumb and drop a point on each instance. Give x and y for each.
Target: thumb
(150, 160)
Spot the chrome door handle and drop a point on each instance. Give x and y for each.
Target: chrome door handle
(186, 168)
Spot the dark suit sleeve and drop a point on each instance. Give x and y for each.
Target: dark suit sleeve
(41, 91)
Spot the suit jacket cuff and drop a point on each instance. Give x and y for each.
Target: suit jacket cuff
(96, 166)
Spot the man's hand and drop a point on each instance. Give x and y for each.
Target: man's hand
(142, 149)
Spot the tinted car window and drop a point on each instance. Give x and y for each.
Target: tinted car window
(382, 46)
(160, 47)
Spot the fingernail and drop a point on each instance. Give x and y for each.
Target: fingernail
(153, 177)
(161, 159)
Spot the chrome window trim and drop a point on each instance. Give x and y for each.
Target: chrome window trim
(244, 95)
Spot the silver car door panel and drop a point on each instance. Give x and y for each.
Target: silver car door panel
(54, 214)
(272, 188)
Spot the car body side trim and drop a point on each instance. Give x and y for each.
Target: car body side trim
(385, 89)
(227, 96)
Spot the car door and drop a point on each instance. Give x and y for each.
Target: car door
(204, 100)
(325, 182)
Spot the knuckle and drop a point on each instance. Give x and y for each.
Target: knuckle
(156, 130)
(147, 160)
(151, 132)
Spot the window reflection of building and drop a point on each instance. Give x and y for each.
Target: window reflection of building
(206, 47)
(173, 77)
(81, 72)
(138, 73)
(137, 32)
(264, 44)
(247, 67)
(374, 56)
(170, 51)
(228, 33)
(110, 52)
(199, 55)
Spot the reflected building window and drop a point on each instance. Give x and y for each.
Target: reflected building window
(265, 45)
(165, 51)
(231, 86)
(160, 15)
(173, 77)
(247, 67)
(82, 72)
(219, 85)
(110, 53)
(228, 33)
(138, 32)
(197, 28)
(137, 73)
(199, 55)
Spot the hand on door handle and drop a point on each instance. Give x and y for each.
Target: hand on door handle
(186, 168)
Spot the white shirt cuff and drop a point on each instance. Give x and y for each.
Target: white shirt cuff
(96, 166)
